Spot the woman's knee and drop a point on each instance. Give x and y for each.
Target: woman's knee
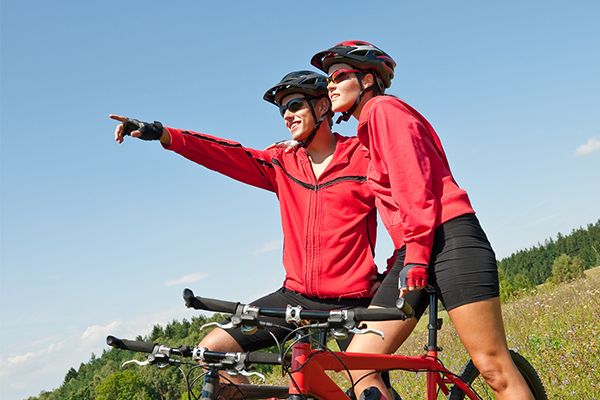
(495, 368)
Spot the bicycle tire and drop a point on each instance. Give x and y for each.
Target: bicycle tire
(470, 374)
(252, 392)
(257, 392)
(396, 396)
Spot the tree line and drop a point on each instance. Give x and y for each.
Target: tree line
(556, 260)
(102, 378)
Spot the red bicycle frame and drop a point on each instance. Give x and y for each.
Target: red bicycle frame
(308, 366)
(308, 375)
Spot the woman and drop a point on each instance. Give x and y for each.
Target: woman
(327, 209)
(429, 217)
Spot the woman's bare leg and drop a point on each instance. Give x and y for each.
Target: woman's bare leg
(396, 333)
(481, 330)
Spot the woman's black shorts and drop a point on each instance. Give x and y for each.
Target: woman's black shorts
(280, 299)
(462, 268)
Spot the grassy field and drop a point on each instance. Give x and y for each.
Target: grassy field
(557, 328)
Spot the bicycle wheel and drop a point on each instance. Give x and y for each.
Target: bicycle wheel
(251, 392)
(471, 375)
(350, 393)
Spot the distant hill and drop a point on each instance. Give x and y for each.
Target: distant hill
(555, 326)
(527, 268)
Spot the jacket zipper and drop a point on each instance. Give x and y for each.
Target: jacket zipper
(309, 275)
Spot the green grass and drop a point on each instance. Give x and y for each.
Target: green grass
(557, 328)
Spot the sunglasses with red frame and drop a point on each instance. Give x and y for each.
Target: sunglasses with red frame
(340, 75)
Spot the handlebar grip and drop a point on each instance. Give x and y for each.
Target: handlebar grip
(263, 358)
(379, 314)
(202, 303)
(405, 307)
(132, 345)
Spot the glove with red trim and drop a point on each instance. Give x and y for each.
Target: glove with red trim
(413, 275)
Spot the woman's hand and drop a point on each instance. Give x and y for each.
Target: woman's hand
(412, 277)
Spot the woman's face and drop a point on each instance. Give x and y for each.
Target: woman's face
(297, 116)
(343, 87)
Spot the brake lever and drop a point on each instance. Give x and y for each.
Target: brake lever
(245, 373)
(362, 331)
(140, 363)
(339, 334)
(159, 359)
(228, 325)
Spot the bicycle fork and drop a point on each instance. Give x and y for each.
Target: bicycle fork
(308, 376)
(211, 382)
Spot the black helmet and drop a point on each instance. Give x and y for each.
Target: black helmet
(361, 55)
(312, 84)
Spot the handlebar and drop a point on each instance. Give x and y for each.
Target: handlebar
(197, 353)
(131, 345)
(384, 314)
(234, 363)
(402, 311)
(203, 303)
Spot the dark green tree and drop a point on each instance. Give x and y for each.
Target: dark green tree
(566, 269)
(71, 374)
(124, 385)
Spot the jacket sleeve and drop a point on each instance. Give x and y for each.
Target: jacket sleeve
(227, 157)
(404, 147)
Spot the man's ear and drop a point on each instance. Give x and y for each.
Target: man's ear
(323, 106)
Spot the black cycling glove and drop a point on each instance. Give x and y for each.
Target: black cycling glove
(149, 131)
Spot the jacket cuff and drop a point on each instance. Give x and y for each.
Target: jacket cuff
(417, 253)
(177, 141)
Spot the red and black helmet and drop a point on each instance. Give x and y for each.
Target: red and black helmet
(361, 55)
(312, 84)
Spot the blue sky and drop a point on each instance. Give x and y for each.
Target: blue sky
(101, 238)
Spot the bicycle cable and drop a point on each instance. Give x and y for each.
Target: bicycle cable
(219, 387)
(293, 332)
(324, 349)
(234, 385)
(186, 377)
(284, 368)
(276, 342)
(193, 381)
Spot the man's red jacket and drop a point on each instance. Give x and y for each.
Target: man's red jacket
(329, 224)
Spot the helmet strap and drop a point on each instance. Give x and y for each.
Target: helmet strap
(304, 143)
(347, 114)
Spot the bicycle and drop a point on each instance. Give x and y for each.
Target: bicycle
(212, 361)
(232, 362)
(307, 366)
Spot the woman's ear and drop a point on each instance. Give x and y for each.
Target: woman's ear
(368, 80)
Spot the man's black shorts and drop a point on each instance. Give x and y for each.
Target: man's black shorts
(280, 299)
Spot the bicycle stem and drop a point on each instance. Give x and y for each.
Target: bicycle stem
(435, 323)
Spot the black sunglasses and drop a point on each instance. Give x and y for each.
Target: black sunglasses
(293, 105)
